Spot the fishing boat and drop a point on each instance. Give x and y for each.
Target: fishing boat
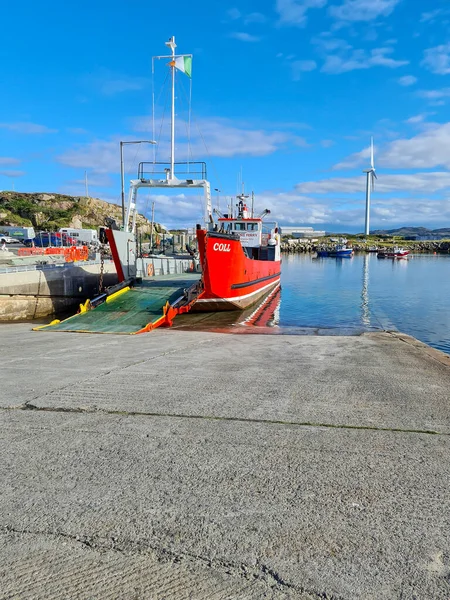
(240, 259)
(339, 250)
(396, 252)
(239, 252)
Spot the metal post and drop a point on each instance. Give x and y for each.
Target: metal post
(151, 227)
(123, 185)
(218, 197)
(172, 144)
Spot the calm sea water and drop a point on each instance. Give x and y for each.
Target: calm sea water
(411, 295)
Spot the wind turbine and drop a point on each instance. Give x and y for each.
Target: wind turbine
(370, 185)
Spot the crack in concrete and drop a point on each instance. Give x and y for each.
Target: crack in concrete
(133, 413)
(121, 368)
(260, 572)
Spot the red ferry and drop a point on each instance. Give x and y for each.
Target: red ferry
(240, 260)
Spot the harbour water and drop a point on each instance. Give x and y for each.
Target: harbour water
(410, 295)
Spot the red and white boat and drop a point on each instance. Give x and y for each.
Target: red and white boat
(240, 260)
(396, 252)
(240, 256)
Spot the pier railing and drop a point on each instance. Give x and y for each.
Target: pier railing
(188, 170)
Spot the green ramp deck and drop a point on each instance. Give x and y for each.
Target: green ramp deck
(130, 311)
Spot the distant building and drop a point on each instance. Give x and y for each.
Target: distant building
(301, 232)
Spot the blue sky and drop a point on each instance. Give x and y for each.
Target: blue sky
(285, 96)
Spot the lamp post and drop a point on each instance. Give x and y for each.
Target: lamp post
(218, 197)
(122, 144)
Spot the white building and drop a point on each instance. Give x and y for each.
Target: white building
(301, 232)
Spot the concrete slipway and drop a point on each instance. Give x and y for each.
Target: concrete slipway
(185, 464)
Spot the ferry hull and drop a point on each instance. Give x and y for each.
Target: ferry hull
(231, 280)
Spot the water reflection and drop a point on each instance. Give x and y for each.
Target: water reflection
(365, 312)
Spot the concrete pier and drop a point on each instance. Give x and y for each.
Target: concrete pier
(185, 464)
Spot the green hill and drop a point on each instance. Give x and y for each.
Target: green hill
(51, 211)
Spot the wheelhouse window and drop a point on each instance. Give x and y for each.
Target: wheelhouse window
(252, 226)
(239, 226)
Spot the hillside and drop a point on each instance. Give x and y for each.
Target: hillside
(52, 211)
(411, 231)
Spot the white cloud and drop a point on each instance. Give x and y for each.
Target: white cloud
(118, 85)
(245, 37)
(109, 83)
(301, 66)
(327, 143)
(255, 17)
(417, 118)
(293, 12)
(12, 174)
(222, 137)
(426, 150)
(234, 13)
(325, 43)
(437, 59)
(407, 80)
(27, 128)
(359, 59)
(7, 160)
(363, 10)
(413, 183)
(77, 130)
(435, 96)
(430, 17)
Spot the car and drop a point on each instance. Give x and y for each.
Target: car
(45, 239)
(8, 239)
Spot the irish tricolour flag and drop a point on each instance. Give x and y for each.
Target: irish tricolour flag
(184, 64)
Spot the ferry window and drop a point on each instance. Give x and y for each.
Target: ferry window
(240, 226)
(252, 226)
(229, 226)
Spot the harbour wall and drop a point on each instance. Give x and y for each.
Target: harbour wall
(428, 247)
(34, 292)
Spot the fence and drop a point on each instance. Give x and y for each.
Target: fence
(70, 253)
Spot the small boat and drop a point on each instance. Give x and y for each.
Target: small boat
(339, 250)
(372, 249)
(396, 252)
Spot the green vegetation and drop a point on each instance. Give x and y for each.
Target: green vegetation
(53, 211)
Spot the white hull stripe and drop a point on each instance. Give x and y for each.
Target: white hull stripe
(237, 298)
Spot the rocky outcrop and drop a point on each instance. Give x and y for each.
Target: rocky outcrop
(52, 211)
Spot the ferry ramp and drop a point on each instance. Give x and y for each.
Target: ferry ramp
(138, 309)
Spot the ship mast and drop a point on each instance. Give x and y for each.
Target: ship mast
(171, 44)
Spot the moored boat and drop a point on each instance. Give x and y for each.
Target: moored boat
(339, 250)
(396, 252)
(240, 260)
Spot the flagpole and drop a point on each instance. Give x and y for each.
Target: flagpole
(171, 44)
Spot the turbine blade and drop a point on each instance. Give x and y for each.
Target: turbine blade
(371, 152)
(373, 179)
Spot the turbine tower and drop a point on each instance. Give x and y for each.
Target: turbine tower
(370, 184)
